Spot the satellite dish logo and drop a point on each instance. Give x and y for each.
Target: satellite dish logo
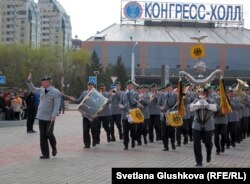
(133, 10)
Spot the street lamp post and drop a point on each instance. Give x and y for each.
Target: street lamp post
(96, 73)
(133, 63)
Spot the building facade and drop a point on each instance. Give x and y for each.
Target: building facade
(55, 24)
(19, 22)
(25, 22)
(159, 42)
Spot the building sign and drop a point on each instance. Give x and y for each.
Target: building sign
(2, 79)
(198, 51)
(143, 10)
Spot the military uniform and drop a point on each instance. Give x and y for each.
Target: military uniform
(167, 102)
(104, 119)
(220, 132)
(154, 122)
(233, 122)
(203, 128)
(87, 124)
(185, 128)
(116, 115)
(142, 129)
(47, 110)
(128, 102)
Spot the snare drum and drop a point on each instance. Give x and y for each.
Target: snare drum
(135, 116)
(92, 104)
(174, 119)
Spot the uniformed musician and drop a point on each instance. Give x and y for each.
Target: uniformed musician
(203, 124)
(87, 124)
(168, 102)
(116, 112)
(154, 122)
(128, 101)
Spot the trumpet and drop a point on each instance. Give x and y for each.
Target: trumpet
(113, 91)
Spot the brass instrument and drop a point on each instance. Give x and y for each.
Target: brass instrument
(185, 91)
(113, 91)
(239, 93)
(151, 97)
(138, 102)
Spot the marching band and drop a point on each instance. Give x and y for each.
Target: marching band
(142, 115)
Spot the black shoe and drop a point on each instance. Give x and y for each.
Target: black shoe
(44, 157)
(198, 164)
(133, 144)
(233, 144)
(94, 143)
(165, 149)
(125, 148)
(222, 149)
(54, 152)
(145, 141)
(33, 131)
(108, 139)
(208, 159)
(173, 147)
(30, 131)
(139, 143)
(113, 139)
(86, 147)
(178, 145)
(185, 141)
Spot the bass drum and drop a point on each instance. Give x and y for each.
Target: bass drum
(174, 119)
(135, 116)
(92, 104)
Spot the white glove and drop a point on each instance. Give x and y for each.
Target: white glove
(162, 108)
(121, 106)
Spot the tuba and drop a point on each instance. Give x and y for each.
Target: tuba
(239, 93)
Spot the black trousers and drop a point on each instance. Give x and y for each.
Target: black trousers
(87, 126)
(46, 136)
(248, 126)
(142, 129)
(244, 126)
(206, 137)
(182, 130)
(128, 128)
(104, 121)
(220, 135)
(116, 119)
(154, 123)
(31, 115)
(231, 133)
(190, 131)
(167, 132)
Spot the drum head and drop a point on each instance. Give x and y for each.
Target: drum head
(92, 104)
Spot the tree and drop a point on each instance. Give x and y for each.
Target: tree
(95, 65)
(16, 61)
(119, 70)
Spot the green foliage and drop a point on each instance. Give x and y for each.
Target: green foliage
(119, 70)
(16, 61)
(69, 70)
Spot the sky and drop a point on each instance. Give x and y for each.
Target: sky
(90, 16)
